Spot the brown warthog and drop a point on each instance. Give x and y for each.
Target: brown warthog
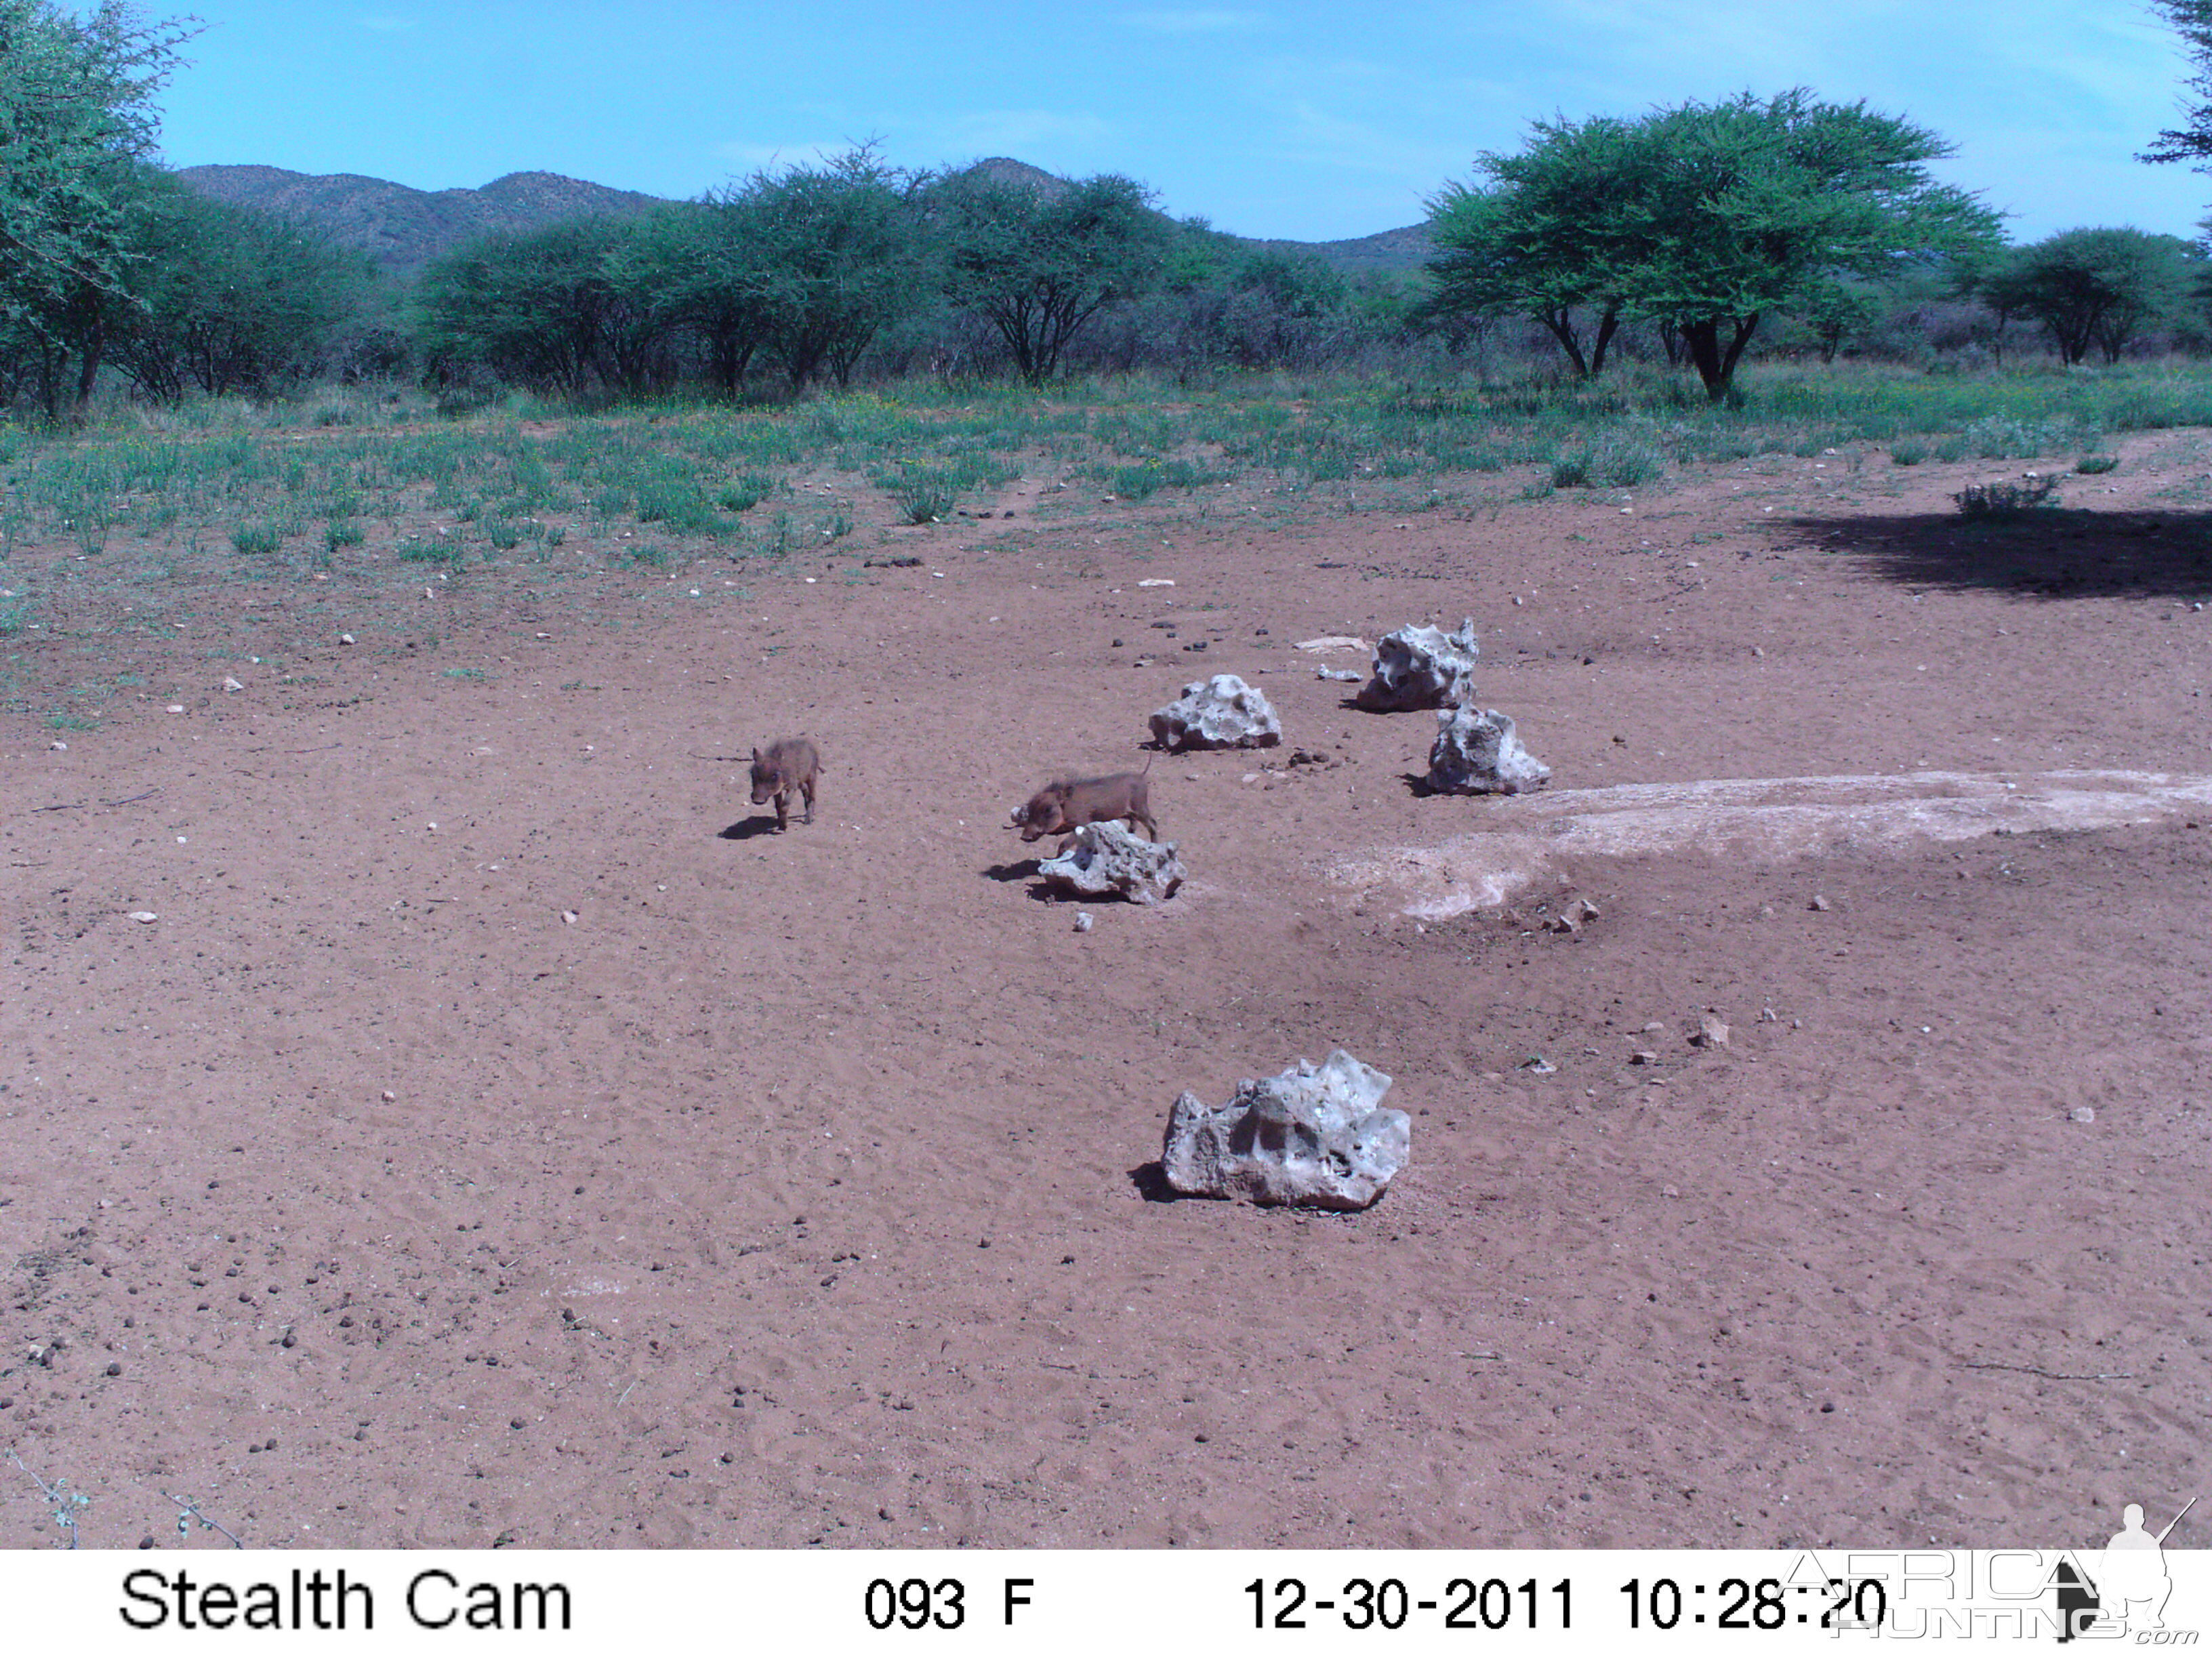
(1066, 804)
(790, 764)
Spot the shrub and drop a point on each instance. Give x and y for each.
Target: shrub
(748, 491)
(2005, 437)
(923, 497)
(256, 539)
(343, 532)
(503, 533)
(2007, 500)
(1614, 460)
(1908, 453)
(430, 549)
(680, 506)
(1139, 483)
(2094, 465)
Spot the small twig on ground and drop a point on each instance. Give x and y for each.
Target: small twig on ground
(188, 1511)
(2056, 1376)
(79, 806)
(66, 1503)
(317, 749)
(717, 757)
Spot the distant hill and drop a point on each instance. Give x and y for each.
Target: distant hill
(404, 228)
(1407, 248)
(401, 229)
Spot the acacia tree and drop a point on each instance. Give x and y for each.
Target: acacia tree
(560, 308)
(1709, 216)
(2096, 286)
(77, 126)
(835, 255)
(1533, 240)
(2192, 141)
(1038, 262)
(705, 258)
(226, 298)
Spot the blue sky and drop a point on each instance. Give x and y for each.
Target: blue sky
(1304, 120)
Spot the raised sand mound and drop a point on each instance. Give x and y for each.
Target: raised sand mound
(1765, 820)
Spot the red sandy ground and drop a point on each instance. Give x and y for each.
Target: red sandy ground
(795, 1191)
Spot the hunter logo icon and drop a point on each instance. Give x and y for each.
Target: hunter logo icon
(2131, 1584)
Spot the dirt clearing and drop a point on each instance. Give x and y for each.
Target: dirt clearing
(501, 1134)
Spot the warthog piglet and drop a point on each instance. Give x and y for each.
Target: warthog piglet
(1065, 805)
(790, 763)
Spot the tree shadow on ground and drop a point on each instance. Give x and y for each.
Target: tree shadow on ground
(1020, 870)
(2043, 553)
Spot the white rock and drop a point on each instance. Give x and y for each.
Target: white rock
(1107, 858)
(1335, 642)
(1476, 753)
(345, 639)
(1313, 1134)
(1154, 581)
(1083, 921)
(144, 916)
(56, 744)
(1352, 674)
(231, 684)
(1422, 668)
(1222, 712)
(176, 709)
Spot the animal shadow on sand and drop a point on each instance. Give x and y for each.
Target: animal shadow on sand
(2043, 553)
(761, 824)
(1041, 891)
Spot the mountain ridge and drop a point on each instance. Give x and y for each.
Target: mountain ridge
(404, 228)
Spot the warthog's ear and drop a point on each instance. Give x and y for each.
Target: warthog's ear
(756, 758)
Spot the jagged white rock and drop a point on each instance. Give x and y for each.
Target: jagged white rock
(1222, 712)
(1422, 668)
(1107, 858)
(1312, 1134)
(1476, 753)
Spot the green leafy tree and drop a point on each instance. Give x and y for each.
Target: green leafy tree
(1539, 239)
(2191, 142)
(568, 308)
(836, 255)
(1741, 206)
(1707, 217)
(2099, 287)
(1833, 310)
(706, 258)
(1038, 262)
(227, 299)
(76, 128)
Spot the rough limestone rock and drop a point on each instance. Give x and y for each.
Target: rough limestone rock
(1110, 859)
(1312, 1135)
(1422, 668)
(1476, 753)
(1222, 712)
